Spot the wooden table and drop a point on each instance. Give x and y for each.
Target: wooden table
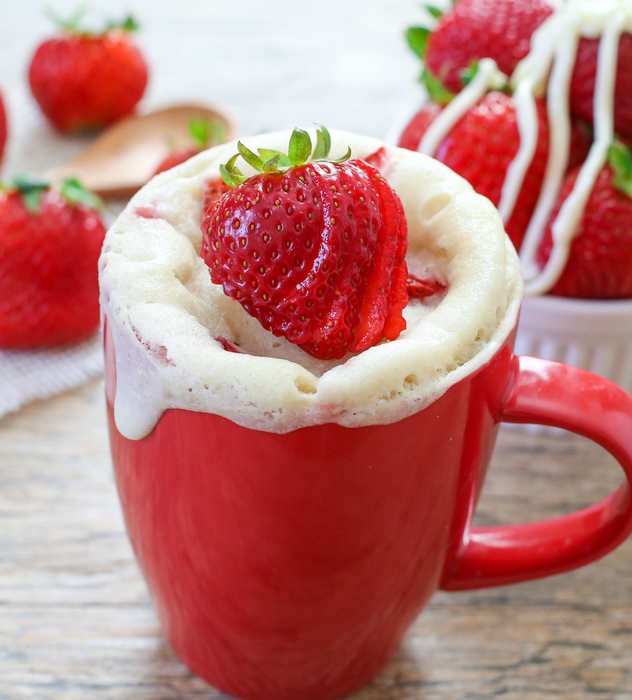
(76, 622)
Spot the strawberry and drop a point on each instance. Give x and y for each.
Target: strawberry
(212, 190)
(50, 242)
(3, 128)
(86, 80)
(203, 134)
(415, 129)
(583, 83)
(312, 248)
(475, 29)
(599, 264)
(480, 148)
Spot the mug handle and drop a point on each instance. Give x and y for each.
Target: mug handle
(555, 394)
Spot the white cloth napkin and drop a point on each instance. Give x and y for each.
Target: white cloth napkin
(27, 376)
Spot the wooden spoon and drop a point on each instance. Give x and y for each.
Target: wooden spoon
(124, 157)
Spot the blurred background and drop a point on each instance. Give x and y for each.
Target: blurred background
(272, 63)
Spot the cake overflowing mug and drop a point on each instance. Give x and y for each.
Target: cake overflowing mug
(293, 515)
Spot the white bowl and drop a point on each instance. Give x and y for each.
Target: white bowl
(593, 335)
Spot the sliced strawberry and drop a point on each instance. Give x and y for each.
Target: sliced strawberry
(386, 297)
(423, 288)
(306, 249)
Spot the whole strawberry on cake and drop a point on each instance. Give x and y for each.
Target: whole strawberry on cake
(511, 86)
(274, 241)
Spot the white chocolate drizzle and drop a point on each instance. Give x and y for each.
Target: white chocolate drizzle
(552, 56)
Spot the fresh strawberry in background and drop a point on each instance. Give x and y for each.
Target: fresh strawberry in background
(84, 80)
(50, 242)
(473, 29)
(480, 148)
(314, 249)
(203, 134)
(583, 83)
(599, 264)
(482, 144)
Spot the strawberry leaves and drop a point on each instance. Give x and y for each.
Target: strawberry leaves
(620, 160)
(76, 24)
(312, 247)
(417, 39)
(33, 187)
(271, 161)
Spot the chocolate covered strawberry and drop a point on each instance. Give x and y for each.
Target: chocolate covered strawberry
(85, 80)
(473, 29)
(50, 242)
(599, 264)
(311, 247)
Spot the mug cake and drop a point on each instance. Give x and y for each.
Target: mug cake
(182, 342)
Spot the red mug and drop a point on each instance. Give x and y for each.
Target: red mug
(289, 566)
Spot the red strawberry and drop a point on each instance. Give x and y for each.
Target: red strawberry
(583, 83)
(480, 148)
(3, 128)
(475, 29)
(212, 191)
(50, 242)
(314, 249)
(203, 135)
(83, 80)
(415, 129)
(599, 264)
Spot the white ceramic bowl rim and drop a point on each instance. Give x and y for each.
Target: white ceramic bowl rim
(585, 317)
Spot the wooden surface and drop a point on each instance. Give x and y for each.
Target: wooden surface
(76, 622)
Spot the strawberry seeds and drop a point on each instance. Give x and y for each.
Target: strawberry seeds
(314, 249)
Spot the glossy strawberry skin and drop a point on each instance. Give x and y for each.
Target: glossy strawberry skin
(583, 83)
(418, 125)
(85, 82)
(316, 254)
(599, 265)
(481, 146)
(48, 272)
(475, 29)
